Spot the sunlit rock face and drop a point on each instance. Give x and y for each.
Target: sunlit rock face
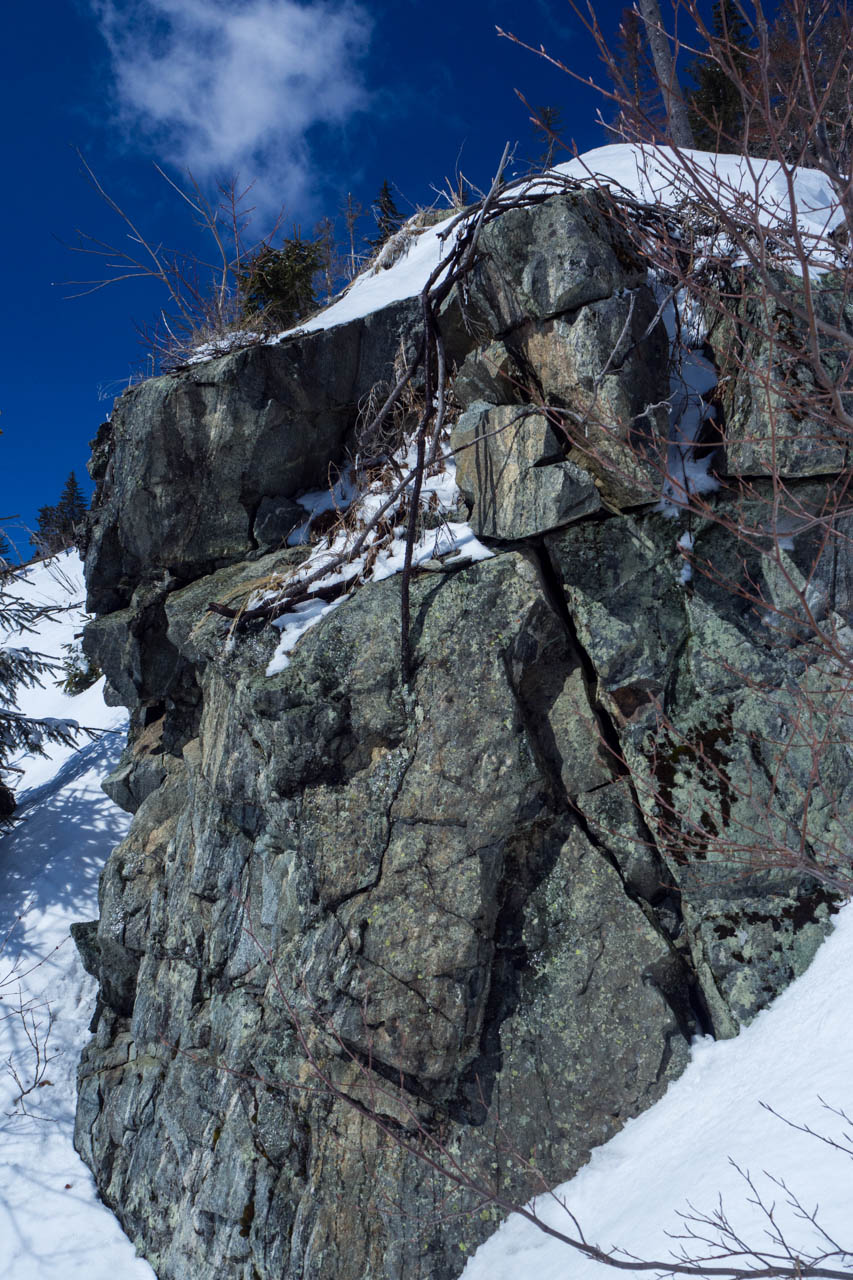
(769, 430)
(490, 906)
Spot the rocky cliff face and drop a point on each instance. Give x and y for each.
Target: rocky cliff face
(466, 896)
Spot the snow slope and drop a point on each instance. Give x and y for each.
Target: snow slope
(52, 1225)
(680, 1152)
(375, 289)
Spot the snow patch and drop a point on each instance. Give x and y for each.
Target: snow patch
(652, 174)
(685, 546)
(382, 555)
(679, 1153)
(420, 251)
(744, 184)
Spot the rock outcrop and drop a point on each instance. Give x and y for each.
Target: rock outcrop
(480, 901)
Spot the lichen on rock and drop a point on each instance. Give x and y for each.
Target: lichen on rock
(490, 904)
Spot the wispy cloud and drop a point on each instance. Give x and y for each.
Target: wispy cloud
(224, 86)
(565, 30)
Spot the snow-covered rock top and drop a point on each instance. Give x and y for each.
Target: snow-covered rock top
(652, 174)
(663, 176)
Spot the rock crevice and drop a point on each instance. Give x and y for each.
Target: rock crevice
(494, 904)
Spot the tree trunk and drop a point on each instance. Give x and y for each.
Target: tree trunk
(676, 111)
(7, 802)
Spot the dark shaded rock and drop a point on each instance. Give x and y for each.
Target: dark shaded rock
(141, 770)
(771, 424)
(85, 937)
(129, 889)
(275, 519)
(189, 457)
(8, 804)
(698, 693)
(131, 783)
(614, 821)
(554, 1048)
(490, 374)
(131, 648)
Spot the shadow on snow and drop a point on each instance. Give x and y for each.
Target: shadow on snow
(52, 858)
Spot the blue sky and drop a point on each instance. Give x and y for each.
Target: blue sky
(308, 99)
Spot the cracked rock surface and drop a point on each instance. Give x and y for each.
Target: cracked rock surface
(493, 905)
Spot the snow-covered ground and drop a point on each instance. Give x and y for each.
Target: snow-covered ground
(659, 175)
(683, 1151)
(52, 1225)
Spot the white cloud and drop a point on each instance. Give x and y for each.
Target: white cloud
(224, 86)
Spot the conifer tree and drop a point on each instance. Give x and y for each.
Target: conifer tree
(277, 285)
(59, 526)
(640, 116)
(388, 217)
(715, 105)
(45, 537)
(21, 666)
(547, 126)
(72, 505)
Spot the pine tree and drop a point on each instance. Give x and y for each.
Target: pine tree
(46, 536)
(59, 526)
(547, 126)
(277, 285)
(640, 117)
(715, 105)
(71, 509)
(388, 217)
(23, 667)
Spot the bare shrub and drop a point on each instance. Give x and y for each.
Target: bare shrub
(206, 310)
(27, 1069)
